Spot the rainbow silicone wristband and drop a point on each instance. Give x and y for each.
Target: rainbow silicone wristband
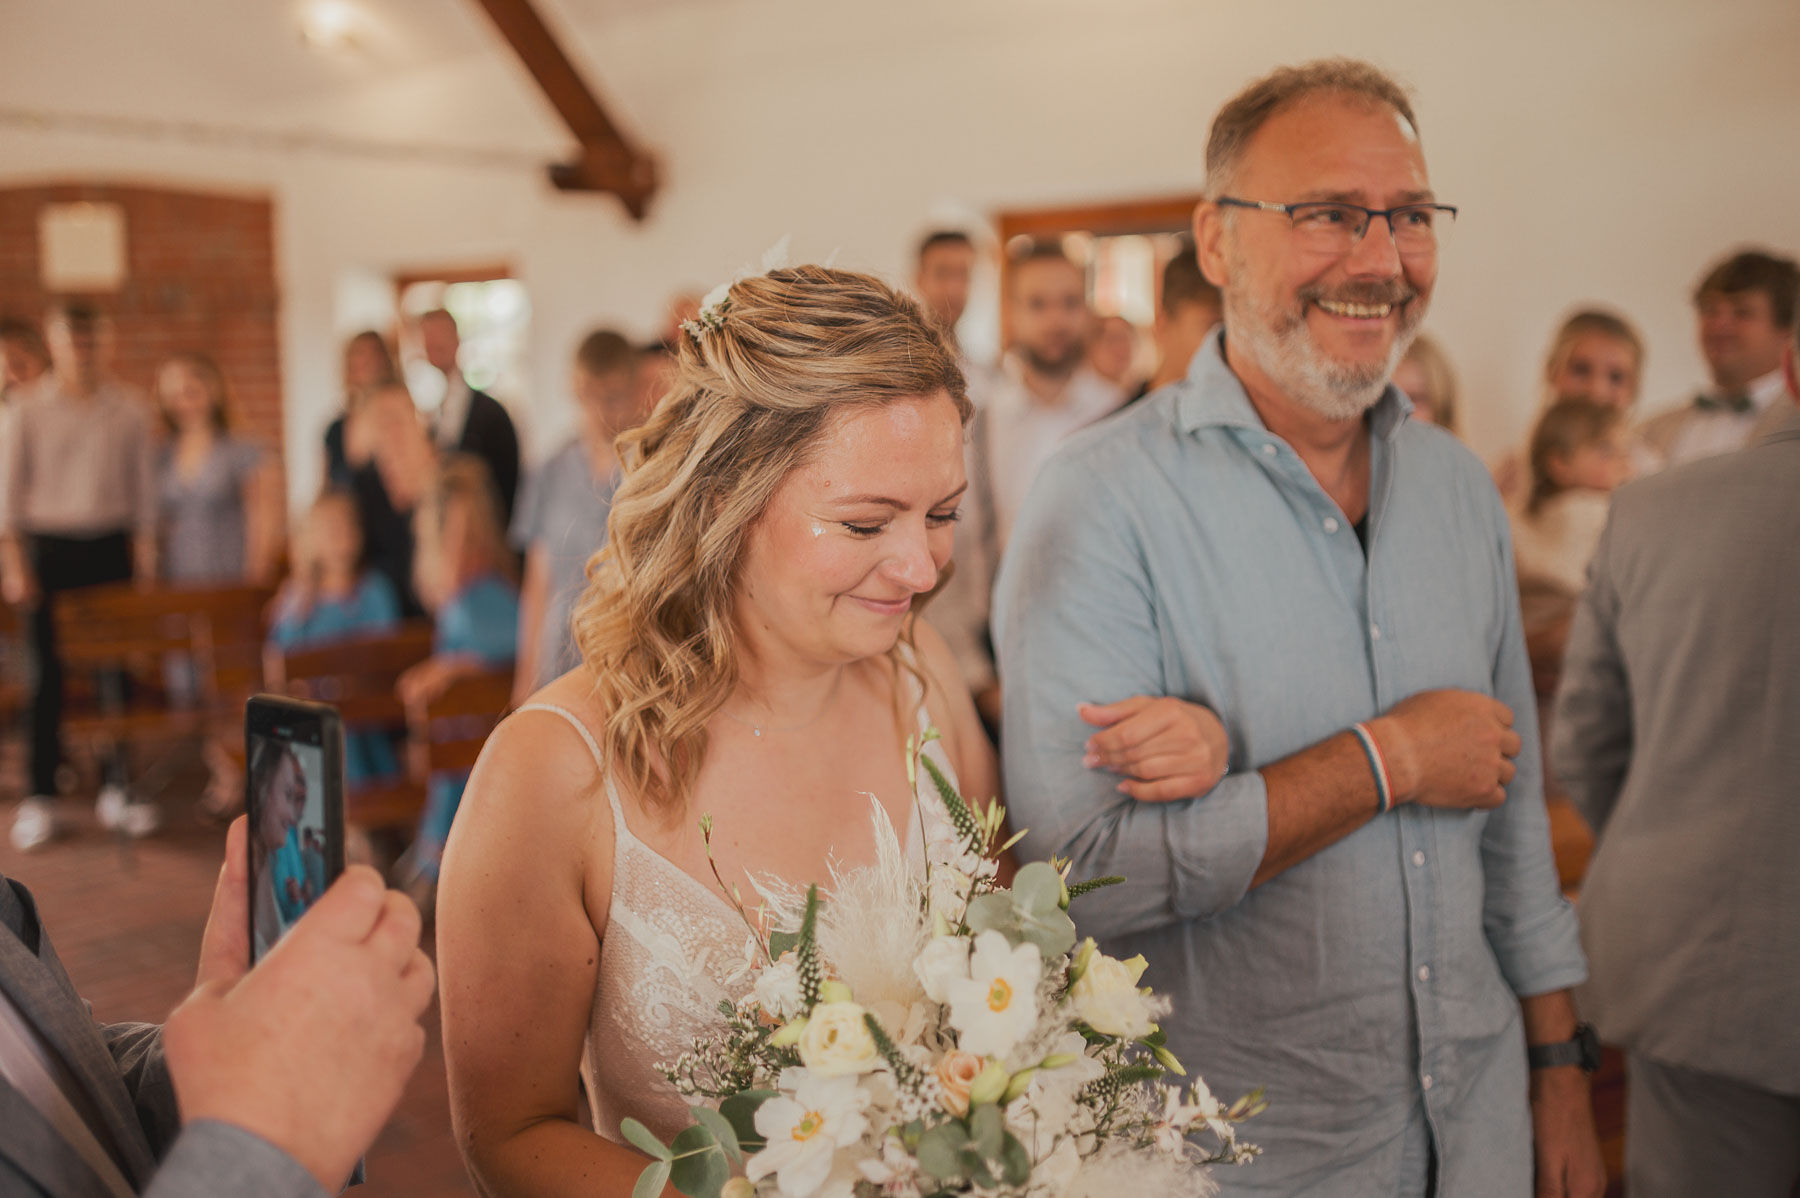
(1384, 787)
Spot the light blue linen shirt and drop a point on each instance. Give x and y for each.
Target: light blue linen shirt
(1180, 548)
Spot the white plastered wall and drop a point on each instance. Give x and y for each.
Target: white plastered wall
(1600, 151)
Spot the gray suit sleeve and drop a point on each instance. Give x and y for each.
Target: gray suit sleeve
(137, 1051)
(207, 1158)
(216, 1160)
(1592, 731)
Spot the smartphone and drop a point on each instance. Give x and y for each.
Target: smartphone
(294, 797)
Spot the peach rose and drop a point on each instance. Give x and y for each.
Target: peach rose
(956, 1073)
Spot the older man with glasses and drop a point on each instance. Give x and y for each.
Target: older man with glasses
(1363, 914)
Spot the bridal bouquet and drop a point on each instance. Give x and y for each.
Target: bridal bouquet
(917, 1036)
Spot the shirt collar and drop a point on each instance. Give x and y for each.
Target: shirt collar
(1212, 396)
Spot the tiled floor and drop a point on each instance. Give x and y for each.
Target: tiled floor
(126, 921)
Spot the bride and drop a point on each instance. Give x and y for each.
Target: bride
(751, 652)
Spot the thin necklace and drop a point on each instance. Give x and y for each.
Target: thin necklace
(757, 730)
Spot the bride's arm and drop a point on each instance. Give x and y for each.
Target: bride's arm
(952, 710)
(518, 959)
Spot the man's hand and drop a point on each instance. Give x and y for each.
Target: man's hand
(309, 1050)
(1449, 748)
(1566, 1146)
(1165, 747)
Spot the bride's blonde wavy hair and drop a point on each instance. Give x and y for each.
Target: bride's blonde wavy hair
(755, 392)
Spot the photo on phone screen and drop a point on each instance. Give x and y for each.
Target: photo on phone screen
(293, 799)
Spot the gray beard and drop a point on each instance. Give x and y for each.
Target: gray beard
(1282, 347)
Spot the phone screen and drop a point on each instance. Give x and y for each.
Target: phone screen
(293, 797)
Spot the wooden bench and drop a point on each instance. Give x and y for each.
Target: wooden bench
(446, 734)
(121, 646)
(358, 677)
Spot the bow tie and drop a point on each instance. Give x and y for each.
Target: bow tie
(1739, 403)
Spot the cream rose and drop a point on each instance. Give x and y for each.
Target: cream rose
(777, 988)
(836, 1042)
(956, 1072)
(943, 960)
(1108, 1000)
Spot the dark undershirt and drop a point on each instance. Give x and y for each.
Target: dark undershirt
(1362, 534)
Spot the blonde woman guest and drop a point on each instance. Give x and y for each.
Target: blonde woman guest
(1428, 379)
(220, 495)
(368, 367)
(1596, 355)
(751, 649)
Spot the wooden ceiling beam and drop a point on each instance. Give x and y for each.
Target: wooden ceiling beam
(606, 160)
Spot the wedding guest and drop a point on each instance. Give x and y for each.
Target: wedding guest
(1045, 393)
(1426, 377)
(1675, 736)
(1746, 307)
(464, 575)
(747, 641)
(1187, 310)
(1595, 355)
(368, 366)
(943, 272)
(388, 485)
(561, 521)
(24, 361)
(470, 421)
(271, 1080)
(220, 495)
(78, 510)
(331, 597)
(1580, 453)
(1363, 914)
(1112, 353)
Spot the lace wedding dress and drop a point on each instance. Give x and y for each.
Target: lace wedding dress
(672, 950)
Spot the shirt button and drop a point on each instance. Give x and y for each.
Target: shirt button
(1418, 857)
(1331, 524)
(1269, 450)
(1424, 973)
(1426, 1081)
(1375, 632)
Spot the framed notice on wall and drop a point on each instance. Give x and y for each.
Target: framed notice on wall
(81, 247)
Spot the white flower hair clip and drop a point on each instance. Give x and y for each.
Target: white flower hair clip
(717, 302)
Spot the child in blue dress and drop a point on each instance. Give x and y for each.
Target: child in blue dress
(330, 597)
(463, 572)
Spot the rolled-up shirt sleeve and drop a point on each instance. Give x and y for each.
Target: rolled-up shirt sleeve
(1076, 621)
(1529, 924)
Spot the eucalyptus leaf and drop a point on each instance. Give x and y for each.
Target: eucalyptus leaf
(740, 1111)
(994, 913)
(644, 1140)
(699, 1167)
(1037, 888)
(783, 942)
(1052, 931)
(1015, 1162)
(940, 1151)
(721, 1129)
(651, 1181)
(987, 1127)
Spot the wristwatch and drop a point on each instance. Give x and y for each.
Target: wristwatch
(1583, 1050)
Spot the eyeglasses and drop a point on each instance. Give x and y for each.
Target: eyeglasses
(1332, 228)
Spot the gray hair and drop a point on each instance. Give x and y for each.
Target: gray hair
(1250, 109)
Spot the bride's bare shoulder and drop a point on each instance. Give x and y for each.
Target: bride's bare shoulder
(539, 766)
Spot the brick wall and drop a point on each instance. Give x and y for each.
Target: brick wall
(200, 276)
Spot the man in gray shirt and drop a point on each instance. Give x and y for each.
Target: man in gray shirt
(1678, 735)
(1363, 916)
(561, 521)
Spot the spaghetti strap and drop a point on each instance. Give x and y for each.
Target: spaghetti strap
(581, 728)
(612, 796)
